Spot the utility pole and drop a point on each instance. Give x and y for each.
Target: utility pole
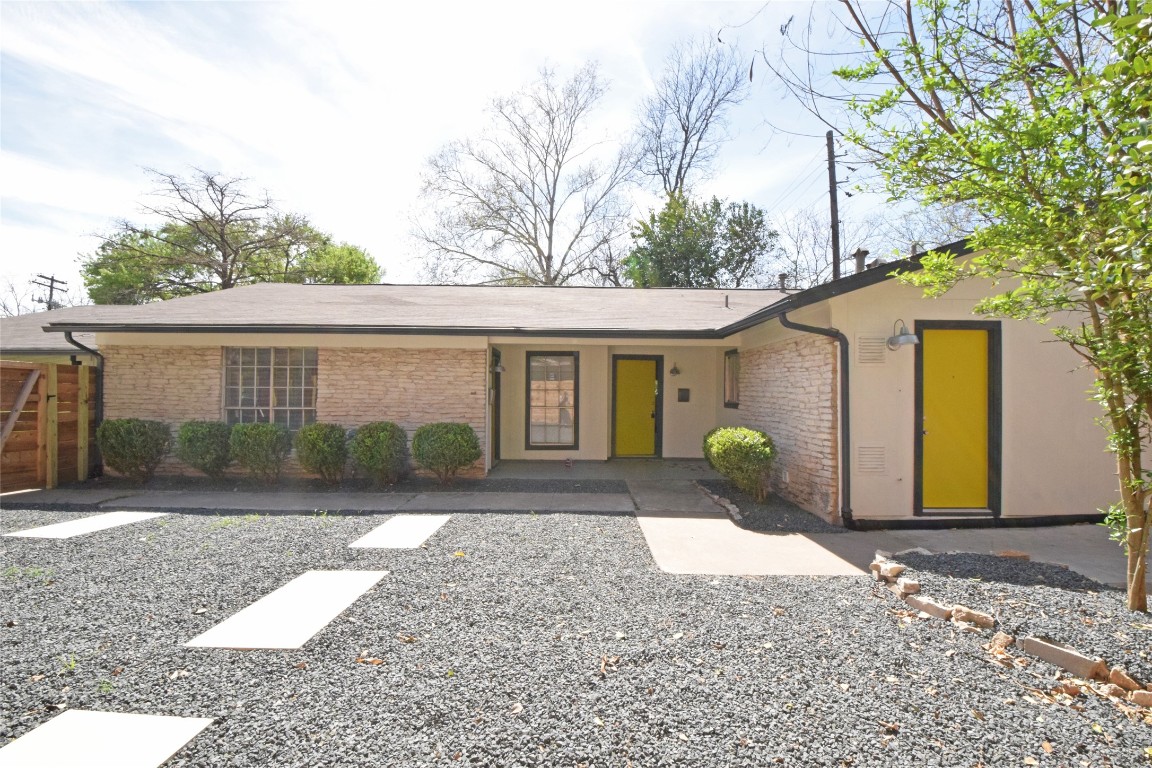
(51, 284)
(835, 208)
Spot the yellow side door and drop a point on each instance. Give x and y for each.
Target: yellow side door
(955, 425)
(635, 408)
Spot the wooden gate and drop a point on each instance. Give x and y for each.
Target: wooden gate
(48, 425)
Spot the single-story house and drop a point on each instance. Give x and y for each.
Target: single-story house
(978, 421)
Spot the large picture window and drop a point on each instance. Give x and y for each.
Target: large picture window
(276, 385)
(732, 379)
(553, 399)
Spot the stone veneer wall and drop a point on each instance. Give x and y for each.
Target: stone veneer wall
(167, 384)
(411, 387)
(787, 390)
(354, 386)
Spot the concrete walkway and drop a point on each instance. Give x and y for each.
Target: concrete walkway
(686, 532)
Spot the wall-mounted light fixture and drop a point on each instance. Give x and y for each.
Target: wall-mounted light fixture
(901, 337)
(673, 371)
(497, 368)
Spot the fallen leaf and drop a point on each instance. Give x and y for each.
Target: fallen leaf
(36, 678)
(517, 708)
(1031, 761)
(844, 686)
(977, 714)
(117, 671)
(1047, 746)
(892, 728)
(683, 737)
(369, 660)
(302, 665)
(777, 611)
(199, 611)
(176, 674)
(10, 623)
(678, 635)
(458, 553)
(406, 638)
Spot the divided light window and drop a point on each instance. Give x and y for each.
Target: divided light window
(274, 385)
(732, 379)
(553, 396)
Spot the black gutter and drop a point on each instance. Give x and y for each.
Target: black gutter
(99, 375)
(845, 415)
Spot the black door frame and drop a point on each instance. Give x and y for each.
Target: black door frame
(659, 360)
(995, 413)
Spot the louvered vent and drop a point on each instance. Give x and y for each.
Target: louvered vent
(871, 350)
(871, 459)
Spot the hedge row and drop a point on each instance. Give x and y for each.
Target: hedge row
(134, 447)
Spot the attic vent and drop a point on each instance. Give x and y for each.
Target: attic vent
(871, 350)
(872, 459)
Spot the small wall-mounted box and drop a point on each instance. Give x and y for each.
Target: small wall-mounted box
(682, 395)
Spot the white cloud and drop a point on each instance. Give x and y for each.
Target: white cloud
(332, 107)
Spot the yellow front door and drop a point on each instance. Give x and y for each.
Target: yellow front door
(955, 419)
(635, 409)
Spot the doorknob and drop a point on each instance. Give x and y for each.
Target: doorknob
(652, 415)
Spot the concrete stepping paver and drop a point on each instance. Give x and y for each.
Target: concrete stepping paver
(452, 501)
(401, 532)
(78, 737)
(288, 617)
(84, 525)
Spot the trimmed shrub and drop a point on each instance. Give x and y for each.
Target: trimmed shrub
(134, 447)
(444, 448)
(381, 450)
(323, 450)
(203, 445)
(742, 455)
(260, 448)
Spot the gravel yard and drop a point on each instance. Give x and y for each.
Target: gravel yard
(542, 640)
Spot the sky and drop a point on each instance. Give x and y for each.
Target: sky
(333, 108)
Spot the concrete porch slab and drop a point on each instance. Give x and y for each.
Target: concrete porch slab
(449, 501)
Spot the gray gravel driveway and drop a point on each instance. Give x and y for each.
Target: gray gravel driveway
(526, 640)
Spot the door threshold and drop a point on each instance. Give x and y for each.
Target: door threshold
(958, 512)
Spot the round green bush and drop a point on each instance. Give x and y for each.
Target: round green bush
(133, 447)
(323, 450)
(381, 450)
(444, 448)
(742, 455)
(260, 448)
(203, 445)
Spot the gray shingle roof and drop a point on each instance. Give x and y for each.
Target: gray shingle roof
(25, 333)
(436, 309)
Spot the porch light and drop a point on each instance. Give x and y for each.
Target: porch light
(673, 371)
(901, 337)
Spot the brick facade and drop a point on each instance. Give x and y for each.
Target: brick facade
(787, 390)
(411, 387)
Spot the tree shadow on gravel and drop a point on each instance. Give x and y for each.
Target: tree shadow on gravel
(1005, 570)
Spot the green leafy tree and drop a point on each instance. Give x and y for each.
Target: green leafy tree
(687, 244)
(212, 235)
(1034, 115)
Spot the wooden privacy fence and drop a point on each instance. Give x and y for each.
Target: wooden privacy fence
(49, 426)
